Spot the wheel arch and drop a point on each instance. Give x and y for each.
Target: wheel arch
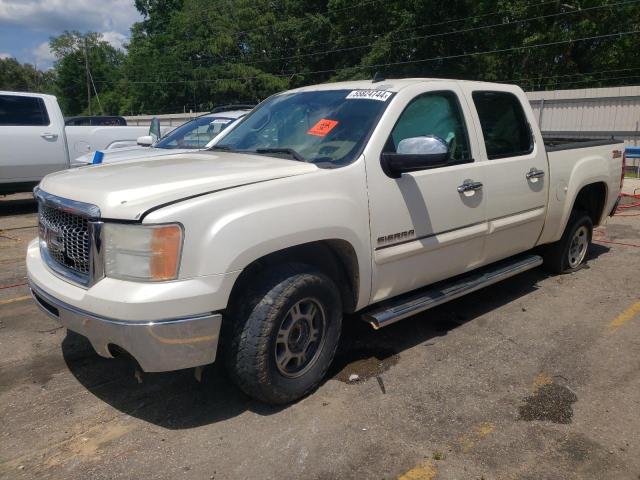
(336, 258)
(592, 199)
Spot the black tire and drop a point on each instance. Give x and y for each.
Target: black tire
(263, 310)
(557, 255)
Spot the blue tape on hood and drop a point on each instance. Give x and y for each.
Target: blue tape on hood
(97, 157)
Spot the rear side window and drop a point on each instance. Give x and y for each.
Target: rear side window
(22, 111)
(504, 126)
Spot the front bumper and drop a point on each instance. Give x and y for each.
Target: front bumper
(158, 346)
(164, 326)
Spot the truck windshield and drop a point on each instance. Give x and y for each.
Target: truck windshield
(195, 133)
(326, 127)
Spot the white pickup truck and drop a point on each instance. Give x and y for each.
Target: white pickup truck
(34, 140)
(382, 198)
(195, 134)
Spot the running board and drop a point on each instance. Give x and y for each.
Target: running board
(415, 302)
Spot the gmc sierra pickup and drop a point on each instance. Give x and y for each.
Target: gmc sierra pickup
(382, 198)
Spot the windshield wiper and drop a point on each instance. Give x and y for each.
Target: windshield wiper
(289, 151)
(225, 148)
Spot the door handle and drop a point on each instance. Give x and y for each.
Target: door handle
(49, 136)
(534, 173)
(469, 185)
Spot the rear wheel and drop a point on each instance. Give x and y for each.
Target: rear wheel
(283, 333)
(568, 253)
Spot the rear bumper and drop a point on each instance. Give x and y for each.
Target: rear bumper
(158, 345)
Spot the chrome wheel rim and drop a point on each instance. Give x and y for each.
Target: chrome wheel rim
(578, 247)
(300, 338)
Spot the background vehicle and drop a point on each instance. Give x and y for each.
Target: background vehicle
(192, 135)
(385, 198)
(103, 120)
(34, 140)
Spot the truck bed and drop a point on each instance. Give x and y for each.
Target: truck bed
(568, 155)
(554, 143)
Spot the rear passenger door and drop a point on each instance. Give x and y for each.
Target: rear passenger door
(516, 172)
(31, 140)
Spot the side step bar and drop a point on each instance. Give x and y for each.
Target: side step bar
(415, 302)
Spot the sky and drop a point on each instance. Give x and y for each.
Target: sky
(27, 25)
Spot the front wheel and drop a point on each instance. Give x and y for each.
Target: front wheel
(284, 333)
(568, 253)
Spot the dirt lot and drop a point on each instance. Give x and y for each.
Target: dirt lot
(536, 377)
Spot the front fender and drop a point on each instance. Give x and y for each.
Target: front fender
(226, 231)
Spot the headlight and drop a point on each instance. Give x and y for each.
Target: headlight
(142, 252)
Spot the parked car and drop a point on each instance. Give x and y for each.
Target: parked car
(34, 140)
(195, 134)
(377, 198)
(102, 120)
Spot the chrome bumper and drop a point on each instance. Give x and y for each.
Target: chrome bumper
(158, 346)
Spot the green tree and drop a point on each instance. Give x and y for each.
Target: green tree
(72, 51)
(195, 54)
(23, 77)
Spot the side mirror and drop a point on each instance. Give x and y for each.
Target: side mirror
(145, 141)
(417, 153)
(154, 128)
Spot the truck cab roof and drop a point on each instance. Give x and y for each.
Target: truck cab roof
(398, 84)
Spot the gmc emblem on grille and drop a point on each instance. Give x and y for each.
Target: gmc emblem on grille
(53, 239)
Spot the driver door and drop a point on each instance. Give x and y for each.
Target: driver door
(425, 226)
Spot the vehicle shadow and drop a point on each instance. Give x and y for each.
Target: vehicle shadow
(17, 205)
(595, 250)
(176, 400)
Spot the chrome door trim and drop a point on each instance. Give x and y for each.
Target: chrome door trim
(534, 173)
(469, 186)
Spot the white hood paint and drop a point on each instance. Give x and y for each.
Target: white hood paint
(127, 189)
(128, 153)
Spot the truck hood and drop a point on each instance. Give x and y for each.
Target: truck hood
(128, 153)
(126, 190)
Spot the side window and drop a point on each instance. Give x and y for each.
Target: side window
(436, 113)
(198, 137)
(22, 111)
(504, 126)
(202, 135)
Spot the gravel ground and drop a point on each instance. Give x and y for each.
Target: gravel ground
(535, 377)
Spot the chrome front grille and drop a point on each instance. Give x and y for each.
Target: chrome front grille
(66, 238)
(70, 238)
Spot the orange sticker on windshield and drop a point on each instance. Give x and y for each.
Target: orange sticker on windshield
(322, 128)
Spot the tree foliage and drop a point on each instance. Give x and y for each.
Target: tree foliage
(72, 50)
(23, 77)
(194, 54)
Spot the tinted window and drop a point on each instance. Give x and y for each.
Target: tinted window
(96, 121)
(16, 110)
(504, 126)
(436, 114)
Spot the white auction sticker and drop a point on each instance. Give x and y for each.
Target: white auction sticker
(380, 95)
